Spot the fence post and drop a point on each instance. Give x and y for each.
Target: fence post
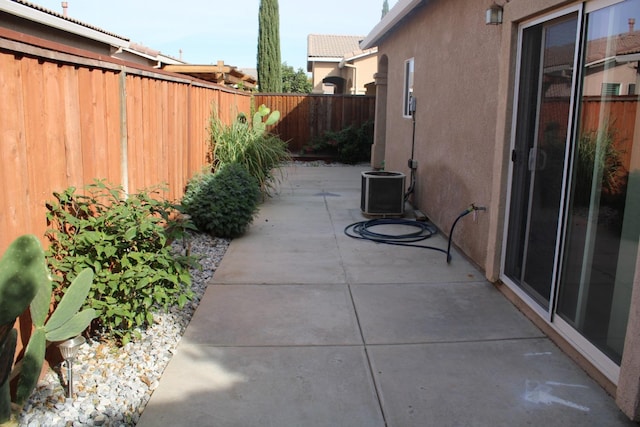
(124, 159)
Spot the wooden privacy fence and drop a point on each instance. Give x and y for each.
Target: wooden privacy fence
(305, 117)
(67, 119)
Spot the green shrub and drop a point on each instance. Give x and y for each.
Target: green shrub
(249, 144)
(222, 203)
(125, 242)
(350, 145)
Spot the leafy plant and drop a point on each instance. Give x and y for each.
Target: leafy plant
(249, 144)
(598, 154)
(125, 241)
(25, 281)
(349, 145)
(222, 203)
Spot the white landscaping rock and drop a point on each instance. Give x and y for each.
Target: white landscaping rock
(112, 385)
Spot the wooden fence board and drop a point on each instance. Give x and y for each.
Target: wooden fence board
(13, 151)
(72, 133)
(86, 100)
(34, 121)
(134, 130)
(112, 122)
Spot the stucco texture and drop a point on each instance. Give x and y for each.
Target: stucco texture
(456, 82)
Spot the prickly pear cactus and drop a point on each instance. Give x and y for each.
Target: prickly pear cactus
(65, 322)
(25, 282)
(7, 352)
(260, 126)
(22, 271)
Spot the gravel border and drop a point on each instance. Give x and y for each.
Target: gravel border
(113, 385)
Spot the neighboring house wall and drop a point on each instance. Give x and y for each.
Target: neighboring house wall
(623, 74)
(359, 72)
(28, 18)
(47, 32)
(355, 74)
(465, 90)
(322, 70)
(338, 66)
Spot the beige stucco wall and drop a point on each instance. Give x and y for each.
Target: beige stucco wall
(356, 74)
(456, 81)
(321, 70)
(366, 67)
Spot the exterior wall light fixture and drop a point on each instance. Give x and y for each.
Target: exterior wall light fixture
(494, 15)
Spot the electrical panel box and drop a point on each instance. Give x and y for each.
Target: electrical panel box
(382, 193)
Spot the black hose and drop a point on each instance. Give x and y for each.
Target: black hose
(362, 230)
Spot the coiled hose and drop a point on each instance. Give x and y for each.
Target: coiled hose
(363, 230)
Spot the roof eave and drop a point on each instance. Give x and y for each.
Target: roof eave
(324, 59)
(391, 19)
(368, 52)
(35, 15)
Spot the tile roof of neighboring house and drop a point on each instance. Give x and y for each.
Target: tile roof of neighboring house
(331, 46)
(61, 16)
(624, 44)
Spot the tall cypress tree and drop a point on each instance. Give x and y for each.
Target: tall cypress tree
(269, 71)
(385, 8)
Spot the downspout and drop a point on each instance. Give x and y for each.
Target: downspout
(355, 76)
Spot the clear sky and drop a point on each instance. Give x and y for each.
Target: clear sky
(212, 30)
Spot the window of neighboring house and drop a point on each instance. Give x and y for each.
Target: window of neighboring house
(610, 89)
(407, 109)
(632, 89)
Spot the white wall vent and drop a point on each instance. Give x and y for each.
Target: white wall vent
(382, 193)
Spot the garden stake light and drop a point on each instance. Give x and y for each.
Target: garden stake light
(69, 349)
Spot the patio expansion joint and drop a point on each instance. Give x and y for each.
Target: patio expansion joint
(276, 345)
(335, 239)
(368, 358)
(474, 341)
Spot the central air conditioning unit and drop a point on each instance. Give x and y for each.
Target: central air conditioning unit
(382, 193)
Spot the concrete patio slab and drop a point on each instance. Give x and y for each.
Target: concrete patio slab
(442, 312)
(526, 382)
(266, 386)
(275, 315)
(292, 259)
(369, 262)
(304, 326)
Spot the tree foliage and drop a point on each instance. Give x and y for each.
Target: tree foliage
(269, 68)
(295, 81)
(385, 8)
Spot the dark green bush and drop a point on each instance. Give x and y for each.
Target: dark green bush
(125, 242)
(222, 203)
(350, 145)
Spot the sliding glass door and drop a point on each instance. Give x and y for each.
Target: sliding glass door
(603, 217)
(574, 210)
(541, 139)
